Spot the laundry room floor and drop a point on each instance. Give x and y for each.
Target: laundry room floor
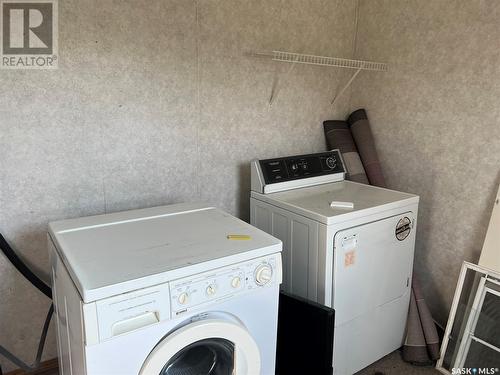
(393, 364)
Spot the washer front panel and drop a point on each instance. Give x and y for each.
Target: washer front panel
(197, 291)
(135, 310)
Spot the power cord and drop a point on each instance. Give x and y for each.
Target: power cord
(23, 268)
(42, 287)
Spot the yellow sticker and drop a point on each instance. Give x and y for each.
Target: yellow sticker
(349, 258)
(238, 237)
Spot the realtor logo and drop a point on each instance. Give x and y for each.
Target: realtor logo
(28, 34)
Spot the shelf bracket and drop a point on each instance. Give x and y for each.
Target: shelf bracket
(276, 82)
(353, 77)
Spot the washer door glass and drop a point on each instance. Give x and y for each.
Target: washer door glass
(210, 346)
(205, 357)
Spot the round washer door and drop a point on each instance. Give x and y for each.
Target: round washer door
(205, 347)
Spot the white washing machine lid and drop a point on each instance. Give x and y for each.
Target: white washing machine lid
(315, 202)
(115, 253)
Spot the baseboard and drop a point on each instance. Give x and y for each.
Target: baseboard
(50, 367)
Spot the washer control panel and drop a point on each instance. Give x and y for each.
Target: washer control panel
(195, 291)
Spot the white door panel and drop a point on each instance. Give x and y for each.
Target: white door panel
(372, 267)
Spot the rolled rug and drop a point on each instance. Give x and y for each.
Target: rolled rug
(363, 138)
(428, 325)
(338, 136)
(421, 345)
(415, 347)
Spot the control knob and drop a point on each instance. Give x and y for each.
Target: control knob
(211, 290)
(331, 162)
(236, 282)
(263, 274)
(183, 298)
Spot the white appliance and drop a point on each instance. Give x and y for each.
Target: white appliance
(169, 290)
(346, 245)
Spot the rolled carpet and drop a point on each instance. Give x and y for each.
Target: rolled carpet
(338, 136)
(421, 346)
(363, 138)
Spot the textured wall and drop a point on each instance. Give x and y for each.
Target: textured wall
(150, 97)
(435, 115)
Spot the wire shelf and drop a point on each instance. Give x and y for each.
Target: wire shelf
(300, 58)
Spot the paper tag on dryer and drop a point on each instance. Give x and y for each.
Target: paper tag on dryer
(349, 245)
(350, 258)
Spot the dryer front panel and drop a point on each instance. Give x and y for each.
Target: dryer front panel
(372, 265)
(372, 281)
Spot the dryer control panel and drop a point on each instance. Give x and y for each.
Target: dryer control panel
(272, 175)
(193, 292)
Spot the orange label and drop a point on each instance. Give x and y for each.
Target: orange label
(349, 258)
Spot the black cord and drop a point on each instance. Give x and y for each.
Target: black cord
(42, 287)
(41, 344)
(43, 336)
(23, 269)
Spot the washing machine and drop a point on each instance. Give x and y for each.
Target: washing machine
(181, 289)
(346, 245)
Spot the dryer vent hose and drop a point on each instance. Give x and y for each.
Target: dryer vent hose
(42, 287)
